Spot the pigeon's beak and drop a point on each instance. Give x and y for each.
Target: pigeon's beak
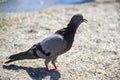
(84, 20)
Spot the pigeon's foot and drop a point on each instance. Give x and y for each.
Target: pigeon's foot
(47, 69)
(55, 68)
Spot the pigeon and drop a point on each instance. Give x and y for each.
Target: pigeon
(51, 47)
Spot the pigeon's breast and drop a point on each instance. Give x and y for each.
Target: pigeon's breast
(54, 44)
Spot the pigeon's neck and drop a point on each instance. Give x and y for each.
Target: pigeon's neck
(69, 35)
(71, 29)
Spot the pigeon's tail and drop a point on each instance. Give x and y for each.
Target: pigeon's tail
(20, 56)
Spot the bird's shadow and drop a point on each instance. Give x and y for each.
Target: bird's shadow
(35, 73)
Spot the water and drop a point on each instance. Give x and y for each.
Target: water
(32, 5)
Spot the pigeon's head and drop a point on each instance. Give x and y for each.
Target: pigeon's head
(76, 20)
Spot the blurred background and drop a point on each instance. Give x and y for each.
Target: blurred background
(95, 54)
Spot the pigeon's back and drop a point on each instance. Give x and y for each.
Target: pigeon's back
(54, 44)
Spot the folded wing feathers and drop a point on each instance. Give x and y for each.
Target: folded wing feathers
(54, 44)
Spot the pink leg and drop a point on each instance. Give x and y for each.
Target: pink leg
(46, 64)
(53, 62)
(47, 68)
(55, 67)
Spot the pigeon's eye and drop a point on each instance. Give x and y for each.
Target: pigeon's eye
(78, 18)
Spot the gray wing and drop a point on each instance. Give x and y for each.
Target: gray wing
(54, 44)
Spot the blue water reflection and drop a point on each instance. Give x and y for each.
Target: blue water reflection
(31, 5)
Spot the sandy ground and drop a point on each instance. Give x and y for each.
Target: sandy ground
(95, 54)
